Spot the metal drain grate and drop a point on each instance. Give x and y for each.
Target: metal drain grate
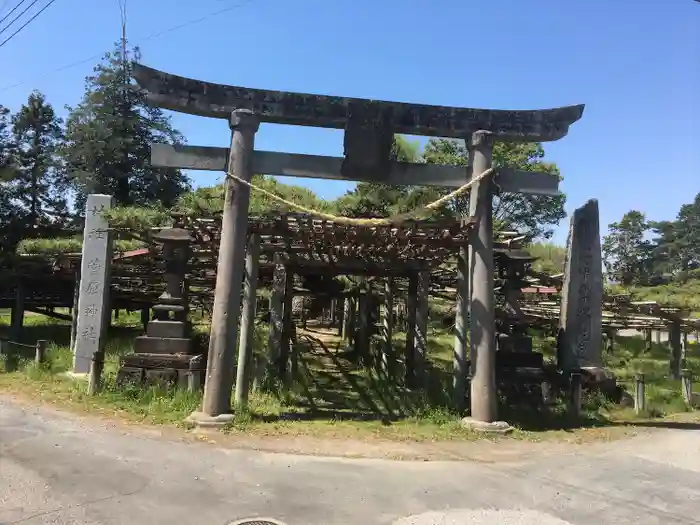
(257, 521)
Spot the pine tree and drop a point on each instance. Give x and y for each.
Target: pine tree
(6, 157)
(40, 184)
(10, 214)
(108, 139)
(626, 253)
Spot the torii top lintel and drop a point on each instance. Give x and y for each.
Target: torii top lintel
(207, 99)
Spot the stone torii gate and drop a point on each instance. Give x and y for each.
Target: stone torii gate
(369, 130)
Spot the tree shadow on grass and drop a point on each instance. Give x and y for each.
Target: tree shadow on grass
(673, 425)
(550, 418)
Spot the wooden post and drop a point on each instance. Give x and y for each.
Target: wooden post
(422, 310)
(546, 389)
(610, 340)
(410, 351)
(302, 313)
(481, 312)
(639, 394)
(287, 356)
(194, 379)
(658, 337)
(647, 340)
(17, 313)
(245, 343)
(387, 357)
(575, 394)
(459, 365)
(363, 342)
(279, 284)
(229, 277)
(674, 338)
(352, 319)
(40, 352)
(687, 387)
(684, 350)
(345, 324)
(97, 364)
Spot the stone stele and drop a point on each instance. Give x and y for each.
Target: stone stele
(580, 331)
(93, 299)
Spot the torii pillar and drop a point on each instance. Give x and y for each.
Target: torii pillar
(223, 339)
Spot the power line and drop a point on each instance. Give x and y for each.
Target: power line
(26, 23)
(142, 40)
(17, 17)
(4, 5)
(12, 11)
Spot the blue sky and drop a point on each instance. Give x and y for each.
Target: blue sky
(634, 63)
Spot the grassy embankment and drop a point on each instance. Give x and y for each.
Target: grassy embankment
(333, 397)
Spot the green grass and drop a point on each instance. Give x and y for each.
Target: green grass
(332, 396)
(58, 246)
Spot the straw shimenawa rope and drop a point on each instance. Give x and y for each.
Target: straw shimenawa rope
(351, 221)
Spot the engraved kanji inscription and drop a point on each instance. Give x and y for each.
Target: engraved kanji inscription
(97, 233)
(95, 210)
(89, 334)
(94, 265)
(92, 287)
(91, 310)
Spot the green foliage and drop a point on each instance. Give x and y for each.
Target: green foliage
(550, 257)
(138, 218)
(108, 139)
(656, 261)
(369, 199)
(684, 294)
(671, 255)
(205, 202)
(533, 215)
(10, 213)
(68, 245)
(626, 252)
(40, 183)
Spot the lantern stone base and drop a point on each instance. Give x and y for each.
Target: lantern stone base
(146, 344)
(182, 371)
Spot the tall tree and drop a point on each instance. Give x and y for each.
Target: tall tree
(9, 212)
(108, 137)
(664, 249)
(626, 253)
(40, 184)
(688, 236)
(533, 215)
(6, 161)
(550, 257)
(369, 199)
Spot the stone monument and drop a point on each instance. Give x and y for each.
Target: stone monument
(165, 353)
(93, 297)
(580, 322)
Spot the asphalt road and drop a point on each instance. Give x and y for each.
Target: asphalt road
(61, 469)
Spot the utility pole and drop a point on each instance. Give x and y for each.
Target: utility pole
(122, 12)
(123, 175)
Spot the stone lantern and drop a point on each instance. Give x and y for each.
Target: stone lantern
(168, 333)
(165, 353)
